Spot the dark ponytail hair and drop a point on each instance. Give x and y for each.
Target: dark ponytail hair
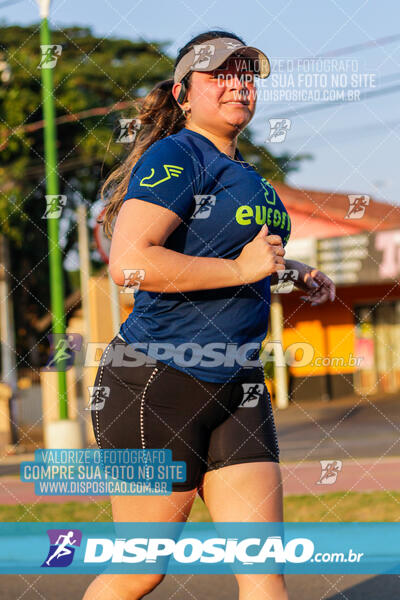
(159, 115)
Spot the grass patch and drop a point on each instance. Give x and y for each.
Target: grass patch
(49, 512)
(344, 506)
(338, 506)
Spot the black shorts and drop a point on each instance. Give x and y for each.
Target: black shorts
(208, 425)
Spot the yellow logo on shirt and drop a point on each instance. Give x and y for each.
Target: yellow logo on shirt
(272, 215)
(269, 192)
(171, 171)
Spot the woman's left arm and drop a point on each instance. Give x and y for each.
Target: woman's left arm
(319, 287)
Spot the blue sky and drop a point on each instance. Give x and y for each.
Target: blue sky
(355, 144)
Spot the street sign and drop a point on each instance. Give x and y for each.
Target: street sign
(361, 258)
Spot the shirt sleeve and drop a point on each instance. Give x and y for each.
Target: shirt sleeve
(165, 175)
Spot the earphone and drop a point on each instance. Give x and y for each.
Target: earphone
(182, 93)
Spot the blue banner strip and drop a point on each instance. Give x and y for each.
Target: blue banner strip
(179, 548)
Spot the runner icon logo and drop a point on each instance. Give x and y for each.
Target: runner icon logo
(97, 397)
(286, 280)
(203, 206)
(330, 469)
(62, 550)
(278, 130)
(63, 349)
(357, 206)
(252, 392)
(50, 55)
(202, 55)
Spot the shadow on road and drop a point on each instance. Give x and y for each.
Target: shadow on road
(382, 587)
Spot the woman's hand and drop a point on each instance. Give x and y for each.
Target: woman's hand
(319, 287)
(261, 257)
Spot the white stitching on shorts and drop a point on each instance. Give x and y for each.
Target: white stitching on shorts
(142, 407)
(273, 419)
(98, 392)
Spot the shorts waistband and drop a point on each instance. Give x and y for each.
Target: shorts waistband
(165, 367)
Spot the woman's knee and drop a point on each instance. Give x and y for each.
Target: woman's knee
(132, 586)
(261, 581)
(142, 583)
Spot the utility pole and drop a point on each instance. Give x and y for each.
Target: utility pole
(52, 189)
(84, 266)
(281, 384)
(64, 433)
(7, 335)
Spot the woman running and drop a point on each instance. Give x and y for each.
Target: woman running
(202, 236)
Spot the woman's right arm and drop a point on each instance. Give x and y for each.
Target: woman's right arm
(140, 232)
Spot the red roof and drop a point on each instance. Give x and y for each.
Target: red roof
(322, 214)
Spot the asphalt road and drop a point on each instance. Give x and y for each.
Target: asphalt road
(351, 427)
(201, 587)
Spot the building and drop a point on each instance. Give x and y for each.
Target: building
(356, 340)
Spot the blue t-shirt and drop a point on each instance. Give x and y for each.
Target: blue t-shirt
(222, 204)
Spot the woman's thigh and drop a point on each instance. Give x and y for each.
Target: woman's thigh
(174, 507)
(247, 492)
